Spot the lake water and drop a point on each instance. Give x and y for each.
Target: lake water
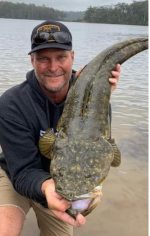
(123, 210)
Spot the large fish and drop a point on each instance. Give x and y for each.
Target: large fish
(82, 153)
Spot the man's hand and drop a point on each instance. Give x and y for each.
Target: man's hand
(59, 205)
(115, 79)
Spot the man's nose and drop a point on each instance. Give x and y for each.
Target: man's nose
(53, 65)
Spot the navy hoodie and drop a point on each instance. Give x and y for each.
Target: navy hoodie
(25, 112)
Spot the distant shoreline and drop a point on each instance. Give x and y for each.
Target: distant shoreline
(135, 13)
(84, 22)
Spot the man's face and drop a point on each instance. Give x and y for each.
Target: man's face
(53, 68)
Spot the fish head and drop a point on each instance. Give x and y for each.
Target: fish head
(77, 168)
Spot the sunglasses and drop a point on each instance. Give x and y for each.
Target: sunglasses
(45, 37)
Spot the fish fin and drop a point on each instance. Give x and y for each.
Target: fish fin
(46, 142)
(59, 123)
(117, 154)
(94, 204)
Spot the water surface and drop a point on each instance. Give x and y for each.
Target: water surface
(123, 210)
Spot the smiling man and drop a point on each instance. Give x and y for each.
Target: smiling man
(53, 69)
(26, 111)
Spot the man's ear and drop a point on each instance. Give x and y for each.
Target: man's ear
(32, 59)
(72, 55)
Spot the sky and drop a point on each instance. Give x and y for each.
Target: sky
(72, 5)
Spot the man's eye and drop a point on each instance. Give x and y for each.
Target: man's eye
(43, 58)
(61, 57)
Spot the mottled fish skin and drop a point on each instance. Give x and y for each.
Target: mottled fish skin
(82, 154)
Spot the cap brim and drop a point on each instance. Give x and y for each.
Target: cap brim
(51, 45)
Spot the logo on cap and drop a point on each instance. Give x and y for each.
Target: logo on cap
(49, 29)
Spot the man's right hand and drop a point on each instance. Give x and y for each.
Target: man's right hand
(58, 205)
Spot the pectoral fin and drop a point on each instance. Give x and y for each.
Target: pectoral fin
(46, 142)
(117, 154)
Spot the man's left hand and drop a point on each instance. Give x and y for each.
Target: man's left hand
(115, 79)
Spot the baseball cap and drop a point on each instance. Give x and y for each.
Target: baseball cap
(50, 34)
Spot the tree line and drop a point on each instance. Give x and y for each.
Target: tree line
(122, 13)
(31, 11)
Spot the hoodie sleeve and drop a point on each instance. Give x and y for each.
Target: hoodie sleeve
(22, 159)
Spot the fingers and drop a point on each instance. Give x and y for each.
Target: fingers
(115, 79)
(118, 68)
(58, 205)
(114, 83)
(116, 73)
(56, 202)
(80, 220)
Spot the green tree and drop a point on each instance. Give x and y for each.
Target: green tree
(31, 11)
(122, 13)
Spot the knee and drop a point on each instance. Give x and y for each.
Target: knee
(6, 230)
(11, 221)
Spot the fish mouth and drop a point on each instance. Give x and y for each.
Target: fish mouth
(85, 203)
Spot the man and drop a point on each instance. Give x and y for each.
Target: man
(26, 111)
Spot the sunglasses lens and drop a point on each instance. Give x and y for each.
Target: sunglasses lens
(41, 37)
(62, 37)
(45, 37)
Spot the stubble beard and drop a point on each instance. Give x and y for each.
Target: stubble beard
(49, 88)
